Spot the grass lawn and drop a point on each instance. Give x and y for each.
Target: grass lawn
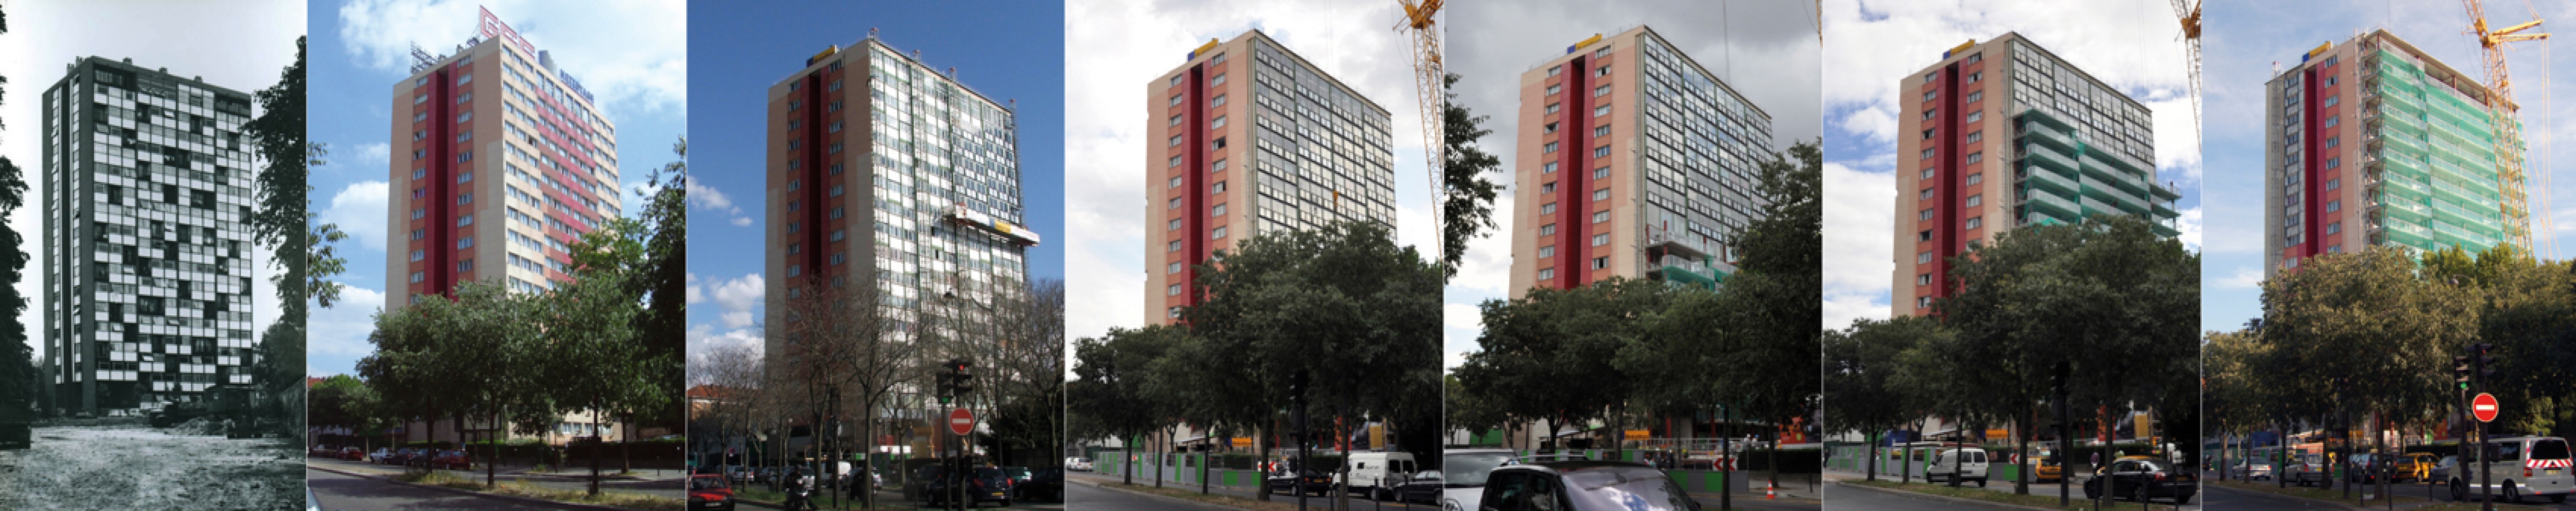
(523, 489)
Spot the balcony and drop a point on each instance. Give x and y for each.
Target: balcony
(2053, 204)
(2040, 155)
(1682, 271)
(2062, 184)
(2165, 228)
(2165, 193)
(2407, 233)
(2403, 209)
(2039, 116)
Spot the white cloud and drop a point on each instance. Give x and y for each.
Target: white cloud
(737, 300)
(704, 337)
(360, 211)
(366, 157)
(1860, 241)
(2188, 221)
(2243, 278)
(1842, 310)
(342, 329)
(707, 198)
(628, 54)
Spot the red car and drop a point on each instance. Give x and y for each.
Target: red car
(352, 454)
(452, 460)
(710, 491)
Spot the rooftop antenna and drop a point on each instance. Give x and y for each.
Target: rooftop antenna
(420, 59)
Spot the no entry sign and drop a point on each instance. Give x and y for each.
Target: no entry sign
(961, 421)
(2483, 407)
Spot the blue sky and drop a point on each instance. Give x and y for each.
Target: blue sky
(2131, 45)
(740, 49)
(627, 53)
(2242, 41)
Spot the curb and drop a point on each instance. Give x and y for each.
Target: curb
(512, 498)
(2337, 505)
(1180, 501)
(1946, 498)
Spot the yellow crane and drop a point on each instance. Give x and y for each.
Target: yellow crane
(1421, 20)
(2188, 11)
(2508, 131)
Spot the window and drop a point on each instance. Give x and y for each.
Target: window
(1924, 257)
(1923, 279)
(1543, 274)
(1171, 268)
(1601, 152)
(1602, 131)
(1218, 123)
(1922, 302)
(1218, 102)
(1547, 209)
(1176, 141)
(837, 212)
(1927, 78)
(1927, 114)
(1176, 100)
(1927, 171)
(1551, 128)
(1545, 230)
(1551, 110)
(1602, 53)
(1927, 153)
(793, 227)
(1547, 188)
(1975, 136)
(1976, 76)
(2334, 183)
(1553, 71)
(1976, 157)
(836, 190)
(1216, 211)
(465, 198)
(1979, 177)
(1926, 194)
(1929, 94)
(1219, 58)
(1927, 134)
(1176, 120)
(1601, 91)
(465, 243)
(1976, 200)
(1600, 216)
(416, 277)
(467, 116)
(1172, 290)
(1218, 80)
(2334, 205)
(1176, 161)
(1601, 172)
(1553, 87)
(2333, 228)
(2331, 100)
(1547, 168)
(1550, 147)
(1218, 233)
(1176, 182)
(1217, 188)
(1602, 71)
(465, 177)
(1174, 246)
(465, 220)
(1602, 110)
(1172, 204)
(1600, 262)
(1174, 82)
(795, 270)
(2335, 162)
(1601, 195)
(418, 255)
(1547, 251)
(1975, 115)
(1975, 222)
(1600, 239)
(2334, 141)
(2332, 121)
(1926, 214)
(1974, 96)
(1219, 166)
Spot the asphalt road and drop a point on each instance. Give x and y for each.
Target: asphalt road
(663, 488)
(1358, 502)
(1843, 497)
(1084, 496)
(345, 493)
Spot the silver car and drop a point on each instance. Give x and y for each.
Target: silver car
(1584, 486)
(1466, 470)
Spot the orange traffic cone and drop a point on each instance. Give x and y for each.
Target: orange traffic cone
(1771, 492)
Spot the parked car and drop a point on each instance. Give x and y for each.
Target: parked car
(1583, 486)
(1465, 472)
(710, 491)
(1018, 474)
(2523, 466)
(379, 453)
(2441, 470)
(1296, 482)
(1423, 488)
(322, 451)
(2050, 469)
(2362, 468)
(2414, 466)
(1957, 465)
(2143, 478)
(352, 454)
(454, 460)
(986, 484)
(1077, 464)
(1376, 473)
(1044, 485)
(2306, 469)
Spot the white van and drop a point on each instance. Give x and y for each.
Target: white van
(2521, 466)
(1965, 464)
(1379, 472)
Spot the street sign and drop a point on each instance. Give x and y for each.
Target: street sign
(2483, 407)
(961, 421)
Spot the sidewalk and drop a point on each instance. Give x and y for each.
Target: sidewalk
(512, 498)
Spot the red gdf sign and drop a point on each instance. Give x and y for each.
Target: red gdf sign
(961, 421)
(2483, 407)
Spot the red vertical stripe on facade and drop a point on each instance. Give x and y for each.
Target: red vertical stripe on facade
(2310, 166)
(441, 144)
(1194, 169)
(810, 171)
(1573, 201)
(1946, 163)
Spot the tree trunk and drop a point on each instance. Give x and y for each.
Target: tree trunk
(2023, 466)
(490, 472)
(1260, 451)
(1871, 471)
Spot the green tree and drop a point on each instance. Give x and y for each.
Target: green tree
(1533, 345)
(1343, 289)
(19, 386)
(2100, 296)
(1467, 195)
(281, 224)
(1861, 390)
(1113, 385)
(346, 401)
(2359, 333)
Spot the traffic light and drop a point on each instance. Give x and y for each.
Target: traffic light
(965, 379)
(2485, 360)
(2460, 371)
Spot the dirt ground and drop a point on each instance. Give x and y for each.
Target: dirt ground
(137, 467)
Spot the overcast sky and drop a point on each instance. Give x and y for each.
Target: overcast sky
(1113, 49)
(2131, 45)
(2242, 41)
(631, 55)
(1766, 50)
(234, 45)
